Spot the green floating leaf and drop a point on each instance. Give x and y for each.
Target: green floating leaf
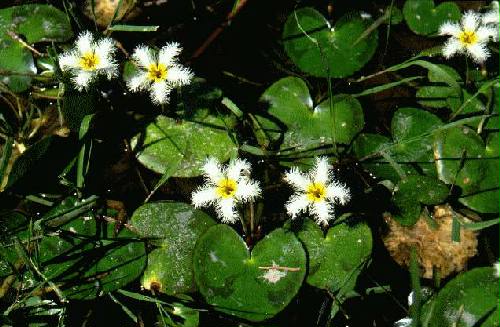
(174, 227)
(167, 141)
(412, 143)
(424, 18)
(413, 191)
(470, 299)
(463, 159)
(37, 23)
(336, 260)
(319, 49)
(291, 116)
(243, 284)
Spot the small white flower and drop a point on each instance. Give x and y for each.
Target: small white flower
(159, 72)
(404, 322)
(89, 59)
(225, 187)
(491, 18)
(316, 191)
(468, 37)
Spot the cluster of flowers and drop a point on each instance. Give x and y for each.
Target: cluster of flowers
(471, 35)
(159, 72)
(226, 186)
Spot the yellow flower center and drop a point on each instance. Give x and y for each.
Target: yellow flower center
(468, 37)
(157, 72)
(226, 188)
(315, 192)
(89, 61)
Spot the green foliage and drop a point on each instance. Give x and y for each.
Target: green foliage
(292, 117)
(174, 227)
(463, 159)
(317, 48)
(469, 299)
(413, 191)
(411, 130)
(424, 18)
(335, 260)
(243, 283)
(166, 141)
(35, 22)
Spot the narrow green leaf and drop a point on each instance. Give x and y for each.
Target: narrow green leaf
(387, 86)
(133, 28)
(166, 175)
(84, 127)
(4, 160)
(481, 225)
(232, 106)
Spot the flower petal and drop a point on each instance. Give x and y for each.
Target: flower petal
(84, 42)
(203, 196)
(321, 171)
(323, 212)
(68, 60)
(450, 28)
(212, 170)
(143, 56)
(470, 20)
(160, 92)
(247, 190)
(138, 82)
(296, 204)
(236, 168)
(168, 53)
(479, 52)
(296, 179)
(83, 79)
(225, 210)
(338, 192)
(179, 75)
(485, 32)
(451, 47)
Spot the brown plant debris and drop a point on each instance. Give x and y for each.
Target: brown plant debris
(434, 245)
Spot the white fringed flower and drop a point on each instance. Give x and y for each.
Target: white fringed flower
(316, 191)
(225, 187)
(492, 18)
(468, 37)
(89, 59)
(159, 72)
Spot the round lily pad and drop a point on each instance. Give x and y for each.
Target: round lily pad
(470, 299)
(166, 142)
(252, 285)
(424, 18)
(336, 260)
(323, 50)
(291, 116)
(174, 227)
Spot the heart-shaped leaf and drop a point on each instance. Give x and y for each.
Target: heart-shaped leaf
(174, 227)
(462, 159)
(319, 49)
(470, 299)
(411, 132)
(336, 260)
(424, 18)
(291, 115)
(37, 23)
(166, 142)
(253, 286)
